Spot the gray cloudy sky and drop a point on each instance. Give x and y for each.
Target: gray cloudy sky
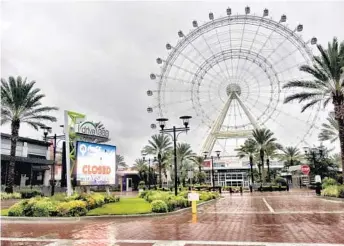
(96, 57)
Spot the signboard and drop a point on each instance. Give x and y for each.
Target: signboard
(96, 164)
(190, 174)
(92, 129)
(193, 197)
(305, 169)
(317, 179)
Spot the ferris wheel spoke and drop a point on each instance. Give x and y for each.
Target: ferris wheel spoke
(206, 60)
(219, 42)
(211, 50)
(242, 38)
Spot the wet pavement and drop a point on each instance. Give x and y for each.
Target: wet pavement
(281, 218)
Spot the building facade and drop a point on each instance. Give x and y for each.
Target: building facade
(233, 171)
(32, 161)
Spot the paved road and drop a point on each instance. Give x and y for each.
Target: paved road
(259, 219)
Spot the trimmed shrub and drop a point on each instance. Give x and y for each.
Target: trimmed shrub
(7, 196)
(72, 208)
(93, 200)
(181, 201)
(108, 199)
(171, 205)
(44, 208)
(28, 193)
(331, 190)
(159, 206)
(341, 191)
(328, 182)
(17, 209)
(142, 184)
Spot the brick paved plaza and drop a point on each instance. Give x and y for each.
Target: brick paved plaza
(259, 219)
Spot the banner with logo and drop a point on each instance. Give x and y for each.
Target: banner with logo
(96, 163)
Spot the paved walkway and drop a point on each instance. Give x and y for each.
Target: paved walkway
(270, 219)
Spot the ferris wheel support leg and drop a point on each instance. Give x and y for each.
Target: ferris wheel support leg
(210, 140)
(247, 112)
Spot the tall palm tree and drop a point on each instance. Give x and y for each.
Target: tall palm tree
(262, 138)
(291, 155)
(249, 148)
(326, 86)
(329, 130)
(271, 152)
(336, 159)
(21, 103)
(158, 145)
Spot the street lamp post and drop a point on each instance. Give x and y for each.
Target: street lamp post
(149, 175)
(212, 164)
(174, 130)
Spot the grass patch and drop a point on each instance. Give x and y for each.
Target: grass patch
(129, 205)
(4, 212)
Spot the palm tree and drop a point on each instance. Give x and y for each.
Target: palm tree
(330, 130)
(120, 162)
(336, 159)
(141, 166)
(184, 154)
(198, 162)
(271, 152)
(249, 148)
(326, 86)
(291, 155)
(21, 103)
(263, 138)
(158, 146)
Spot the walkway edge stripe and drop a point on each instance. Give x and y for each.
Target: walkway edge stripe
(268, 205)
(167, 242)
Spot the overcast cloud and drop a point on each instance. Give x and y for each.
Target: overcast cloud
(96, 57)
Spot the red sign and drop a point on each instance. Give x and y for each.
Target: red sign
(206, 163)
(305, 169)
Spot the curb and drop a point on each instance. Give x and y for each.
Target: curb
(328, 198)
(75, 219)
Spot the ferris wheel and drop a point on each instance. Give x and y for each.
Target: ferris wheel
(228, 74)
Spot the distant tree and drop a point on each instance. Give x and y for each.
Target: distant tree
(142, 168)
(271, 153)
(248, 149)
(291, 156)
(158, 146)
(21, 102)
(320, 163)
(263, 138)
(120, 162)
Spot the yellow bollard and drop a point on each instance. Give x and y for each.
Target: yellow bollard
(194, 207)
(194, 218)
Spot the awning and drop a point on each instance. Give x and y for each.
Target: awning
(27, 160)
(40, 168)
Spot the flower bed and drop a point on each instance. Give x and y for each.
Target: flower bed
(59, 205)
(163, 201)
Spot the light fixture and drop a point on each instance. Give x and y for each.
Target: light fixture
(162, 122)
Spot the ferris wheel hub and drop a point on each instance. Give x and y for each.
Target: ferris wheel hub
(233, 87)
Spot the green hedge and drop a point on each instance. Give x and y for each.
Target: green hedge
(328, 182)
(28, 193)
(334, 191)
(60, 205)
(175, 202)
(7, 196)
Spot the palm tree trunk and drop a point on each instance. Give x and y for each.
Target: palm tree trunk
(160, 173)
(341, 140)
(268, 164)
(11, 167)
(262, 163)
(251, 166)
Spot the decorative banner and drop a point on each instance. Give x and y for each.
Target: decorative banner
(96, 164)
(305, 169)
